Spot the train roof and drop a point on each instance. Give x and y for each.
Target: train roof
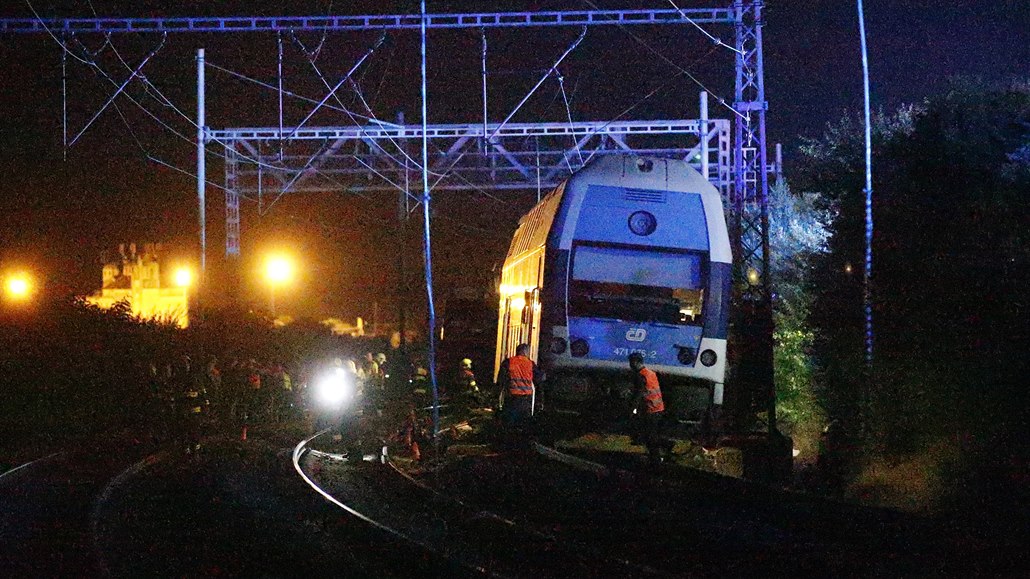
(622, 170)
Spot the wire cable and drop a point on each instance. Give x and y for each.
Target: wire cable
(352, 116)
(568, 114)
(672, 63)
(717, 41)
(550, 71)
(161, 98)
(262, 84)
(640, 101)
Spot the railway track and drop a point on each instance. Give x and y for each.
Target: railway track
(52, 507)
(476, 541)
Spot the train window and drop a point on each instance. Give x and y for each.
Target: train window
(645, 267)
(637, 285)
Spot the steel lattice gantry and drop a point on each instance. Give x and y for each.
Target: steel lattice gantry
(749, 164)
(527, 156)
(524, 156)
(237, 24)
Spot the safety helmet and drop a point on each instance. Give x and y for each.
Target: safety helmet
(466, 363)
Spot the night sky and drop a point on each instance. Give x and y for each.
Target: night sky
(58, 215)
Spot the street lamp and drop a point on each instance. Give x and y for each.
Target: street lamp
(18, 287)
(278, 271)
(183, 277)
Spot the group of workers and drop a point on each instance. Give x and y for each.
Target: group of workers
(185, 397)
(246, 393)
(519, 378)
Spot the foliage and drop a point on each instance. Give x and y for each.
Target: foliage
(951, 186)
(797, 233)
(70, 370)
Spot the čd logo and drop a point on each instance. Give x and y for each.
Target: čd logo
(636, 334)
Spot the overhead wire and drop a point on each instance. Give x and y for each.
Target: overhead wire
(51, 33)
(672, 63)
(350, 114)
(550, 71)
(262, 84)
(165, 101)
(370, 118)
(156, 160)
(717, 41)
(334, 89)
(668, 82)
(162, 98)
(440, 176)
(568, 114)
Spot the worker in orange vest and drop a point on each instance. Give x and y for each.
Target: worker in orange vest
(518, 378)
(649, 410)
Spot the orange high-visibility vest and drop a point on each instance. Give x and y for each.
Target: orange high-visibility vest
(652, 392)
(520, 372)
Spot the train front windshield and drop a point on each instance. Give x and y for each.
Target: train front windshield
(638, 285)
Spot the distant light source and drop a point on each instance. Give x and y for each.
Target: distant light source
(278, 270)
(752, 276)
(18, 286)
(847, 268)
(183, 277)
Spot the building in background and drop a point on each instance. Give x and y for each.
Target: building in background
(135, 277)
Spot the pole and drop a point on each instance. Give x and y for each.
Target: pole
(271, 295)
(201, 168)
(64, 100)
(279, 38)
(868, 273)
(482, 32)
(704, 135)
(427, 250)
(538, 169)
(402, 221)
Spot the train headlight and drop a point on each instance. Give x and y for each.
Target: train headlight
(579, 348)
(642, 223)
(335, 388)
(709, 357)
(558, 345)
(686, 355)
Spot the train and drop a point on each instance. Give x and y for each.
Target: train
(629, 254)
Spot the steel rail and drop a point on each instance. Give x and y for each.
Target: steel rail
(298, 453)
(28, 464)
(484, 514)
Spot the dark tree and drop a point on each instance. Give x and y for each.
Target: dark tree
(952, 211)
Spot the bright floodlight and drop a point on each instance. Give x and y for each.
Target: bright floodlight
(18, 287)
(335, 387)
(183, 277)
(278, 270)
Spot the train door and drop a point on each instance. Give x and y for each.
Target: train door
(513, 327)
(531, 316)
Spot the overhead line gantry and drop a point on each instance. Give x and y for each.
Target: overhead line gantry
(523, 155)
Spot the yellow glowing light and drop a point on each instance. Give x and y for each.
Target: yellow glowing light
(278, 270)
(183, 277)
(752, 276)
(847, 268)
(518, 303)
(18, 287)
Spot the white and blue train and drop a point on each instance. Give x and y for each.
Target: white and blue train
(630, 254)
